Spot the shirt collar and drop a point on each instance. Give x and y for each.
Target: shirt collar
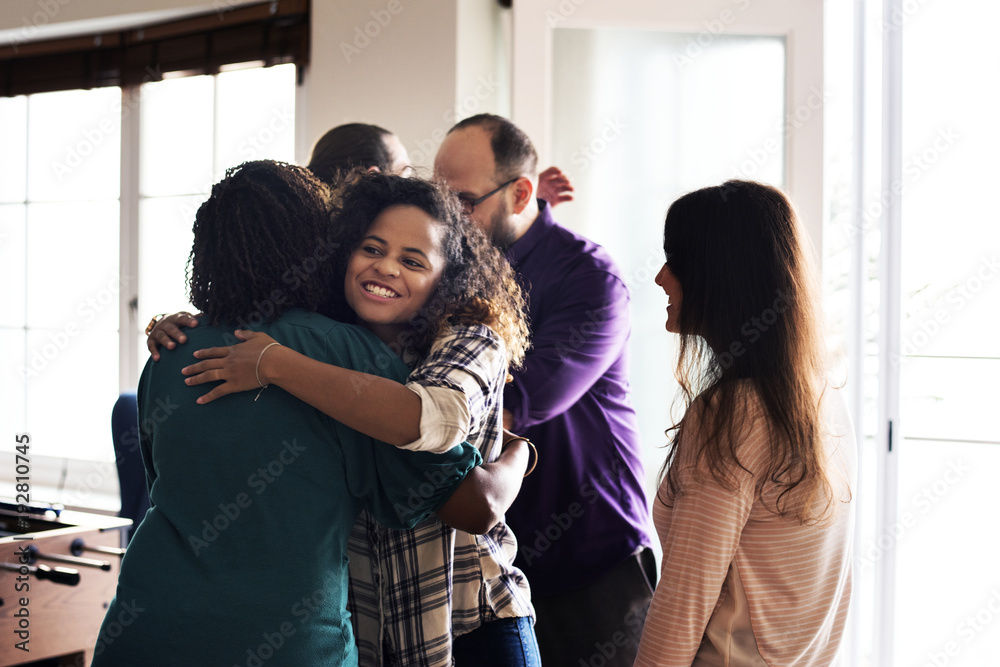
(524, 245)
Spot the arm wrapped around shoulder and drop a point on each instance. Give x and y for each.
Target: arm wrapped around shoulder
(406, 487)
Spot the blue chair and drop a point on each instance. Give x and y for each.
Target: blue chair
(128, 459)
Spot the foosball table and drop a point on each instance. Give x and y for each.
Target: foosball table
(58, 573)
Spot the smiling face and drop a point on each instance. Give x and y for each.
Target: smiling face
(672, 288)
(394, 270)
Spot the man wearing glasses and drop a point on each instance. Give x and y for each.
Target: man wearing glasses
(581, 520)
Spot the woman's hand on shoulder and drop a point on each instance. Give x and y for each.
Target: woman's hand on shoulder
(167, 332)
(236, 366)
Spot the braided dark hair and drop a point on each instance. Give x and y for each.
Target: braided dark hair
(262, 245)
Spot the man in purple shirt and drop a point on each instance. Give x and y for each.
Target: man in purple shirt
(582, 519)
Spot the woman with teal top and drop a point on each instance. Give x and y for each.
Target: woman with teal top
(432, 594)
(242, 558)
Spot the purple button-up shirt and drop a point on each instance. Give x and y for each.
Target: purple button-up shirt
(584, 510)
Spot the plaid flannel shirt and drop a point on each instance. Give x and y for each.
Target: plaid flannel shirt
(413, 590)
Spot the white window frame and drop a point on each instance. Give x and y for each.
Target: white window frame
(890, 319)
(128, 352)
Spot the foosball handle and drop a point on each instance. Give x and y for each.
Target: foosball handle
(57, 575)
(78, 547)
(34, 554)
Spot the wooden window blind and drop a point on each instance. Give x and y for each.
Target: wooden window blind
(273, 33)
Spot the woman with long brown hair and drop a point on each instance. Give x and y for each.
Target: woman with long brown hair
(753, 510)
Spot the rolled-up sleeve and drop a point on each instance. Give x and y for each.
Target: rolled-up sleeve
(455, 383)
(444, 418)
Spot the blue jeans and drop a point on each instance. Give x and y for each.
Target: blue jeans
(506, 642)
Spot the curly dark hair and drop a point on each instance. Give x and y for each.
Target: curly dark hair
(477, 286)
(262, 245)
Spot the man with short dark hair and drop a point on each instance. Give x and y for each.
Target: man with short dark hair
(582, 519)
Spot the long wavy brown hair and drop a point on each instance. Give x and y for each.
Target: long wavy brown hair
(750, 342)
(477, 286)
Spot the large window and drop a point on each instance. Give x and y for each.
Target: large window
(927, 591)
(67, 263)
(61, 285)
(192, 130)
(948, 587)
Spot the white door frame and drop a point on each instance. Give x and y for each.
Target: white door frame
(800, 22)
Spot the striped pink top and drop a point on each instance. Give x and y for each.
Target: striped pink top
(740, 585)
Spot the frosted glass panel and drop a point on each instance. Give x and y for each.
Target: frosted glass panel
(73, 279)
(193, 130)
(70, 399)
(76, 156)
(258, 106)
(637, 122)
(948, 590)
(951, 239)
(165, 240)
(177, 127)
(12, 271)
(13, 148)
(948, 585)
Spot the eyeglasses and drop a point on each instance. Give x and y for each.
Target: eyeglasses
(469, 205)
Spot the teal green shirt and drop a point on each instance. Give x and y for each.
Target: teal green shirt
(242, 558)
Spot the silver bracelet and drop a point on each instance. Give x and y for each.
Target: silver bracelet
(256, 370)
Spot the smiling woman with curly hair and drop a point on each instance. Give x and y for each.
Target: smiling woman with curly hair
(433, 288)
(477, 285)
(243, 554)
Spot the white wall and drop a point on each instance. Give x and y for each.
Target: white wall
(29, 20)
(396, 64)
